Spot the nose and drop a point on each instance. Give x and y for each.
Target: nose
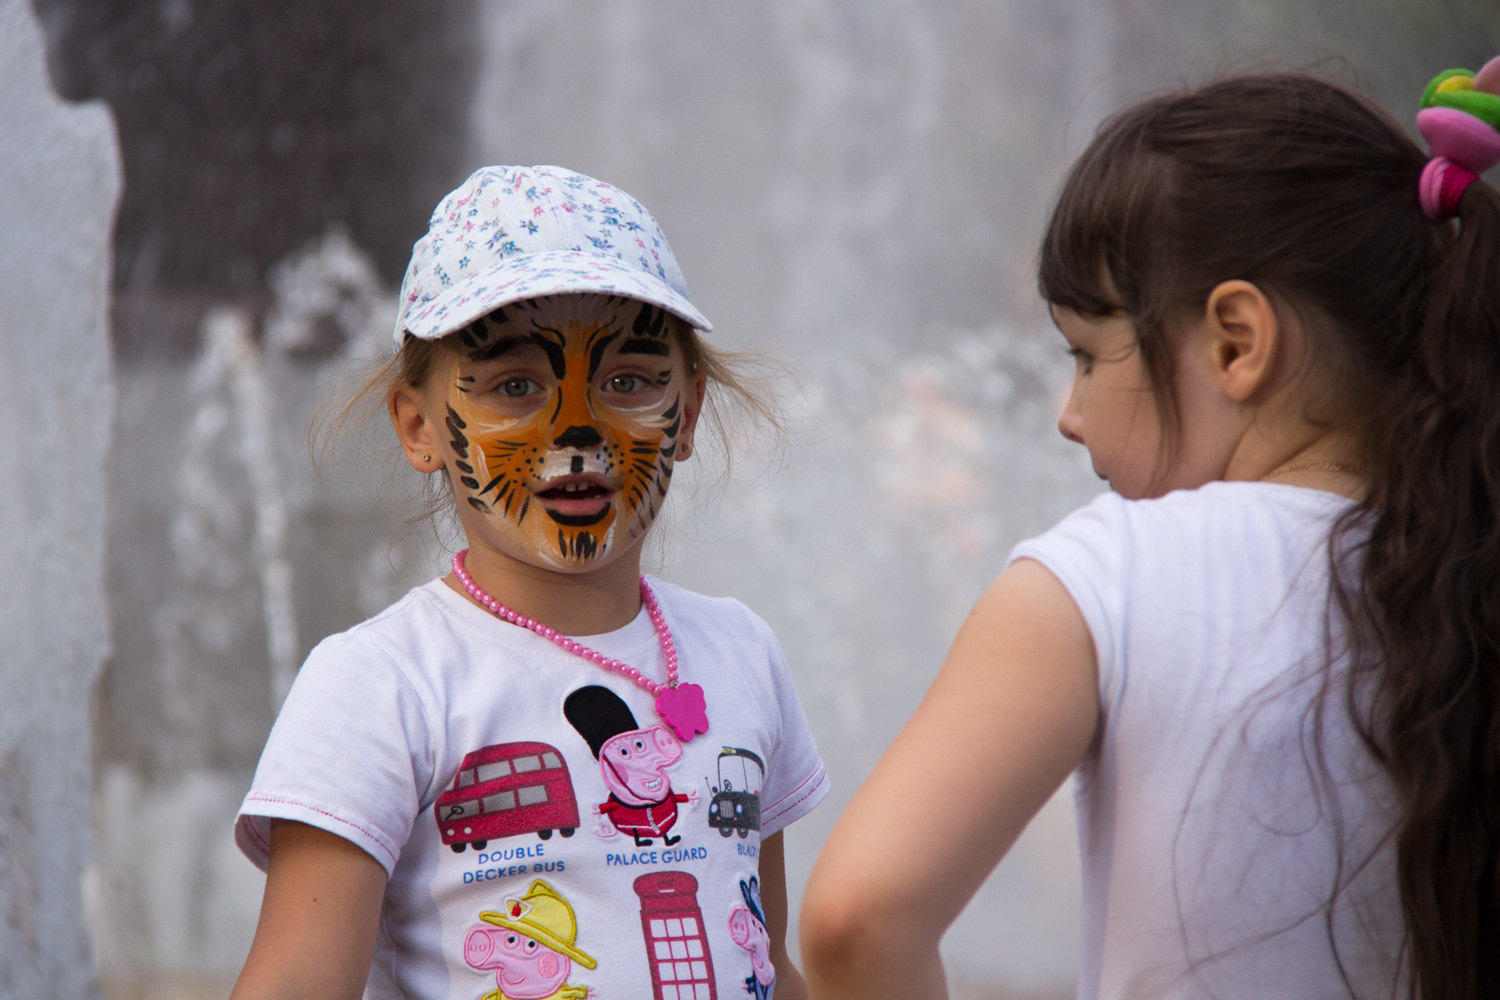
(739, 925)
(1070, 420)
(479, 949)
(578, 437)
(574, 422)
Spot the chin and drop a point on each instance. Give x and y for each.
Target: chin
(544, 554)
(1136, 488)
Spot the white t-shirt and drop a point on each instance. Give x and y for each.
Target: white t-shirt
(445, 743)
(1210, 844)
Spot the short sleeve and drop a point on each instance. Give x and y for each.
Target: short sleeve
(796, 780)
(349, 753)
(1086, 552)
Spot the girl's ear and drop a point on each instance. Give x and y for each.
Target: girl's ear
(1244, 337)
(692, 408)
(420, 435)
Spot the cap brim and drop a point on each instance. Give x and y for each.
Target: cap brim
(551, 272)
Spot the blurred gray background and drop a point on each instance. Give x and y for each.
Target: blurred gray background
(854, 187)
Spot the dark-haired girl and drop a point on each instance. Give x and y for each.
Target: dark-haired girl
(1271, 655)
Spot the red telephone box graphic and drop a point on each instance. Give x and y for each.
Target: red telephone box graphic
(507, 790)
(676, 944)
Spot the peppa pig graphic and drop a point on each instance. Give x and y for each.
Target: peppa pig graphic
(747, 926)
(633, 762)
(529, 946)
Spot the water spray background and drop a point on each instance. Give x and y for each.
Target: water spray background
(856, 189)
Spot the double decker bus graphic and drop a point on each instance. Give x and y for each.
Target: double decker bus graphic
(676, 943)
(507, 790)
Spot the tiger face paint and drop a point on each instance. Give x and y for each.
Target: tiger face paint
(563, 418)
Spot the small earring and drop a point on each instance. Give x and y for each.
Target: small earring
(426, 458)
(684, 449)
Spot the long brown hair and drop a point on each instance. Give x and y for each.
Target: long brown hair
(1310, 192)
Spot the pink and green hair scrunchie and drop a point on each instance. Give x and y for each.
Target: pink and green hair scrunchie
(1460, 119)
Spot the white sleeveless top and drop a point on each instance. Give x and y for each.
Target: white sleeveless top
(1211, 845)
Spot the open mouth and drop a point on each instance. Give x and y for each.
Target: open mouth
(576, 501)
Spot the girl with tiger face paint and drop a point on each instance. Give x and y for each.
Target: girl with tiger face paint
(561, 420)
(553, 389)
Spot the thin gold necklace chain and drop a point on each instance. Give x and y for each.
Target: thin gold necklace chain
(1282, 470)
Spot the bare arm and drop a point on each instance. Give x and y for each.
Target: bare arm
(316, 934)
(1011, 713)
(789, 982)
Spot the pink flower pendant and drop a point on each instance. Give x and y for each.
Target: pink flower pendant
(683, 708)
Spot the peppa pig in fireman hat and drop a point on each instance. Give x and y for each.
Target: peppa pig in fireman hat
(532, 952)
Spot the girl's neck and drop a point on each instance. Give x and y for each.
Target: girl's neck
(585, 603)
(1326, 462)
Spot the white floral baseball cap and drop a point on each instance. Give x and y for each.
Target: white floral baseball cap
(512, 233)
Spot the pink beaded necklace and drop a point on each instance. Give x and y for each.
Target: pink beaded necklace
(680, 706)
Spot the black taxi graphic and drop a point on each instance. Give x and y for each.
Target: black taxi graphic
(735, 807)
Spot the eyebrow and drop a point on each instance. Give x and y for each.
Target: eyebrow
(641, 345)
(500, 347)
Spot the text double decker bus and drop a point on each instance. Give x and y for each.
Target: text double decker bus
(507, 790)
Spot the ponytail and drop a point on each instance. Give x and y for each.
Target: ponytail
(1426, 612)
(1312, 193)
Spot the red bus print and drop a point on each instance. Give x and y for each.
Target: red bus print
(507, 790)
(676, 943)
